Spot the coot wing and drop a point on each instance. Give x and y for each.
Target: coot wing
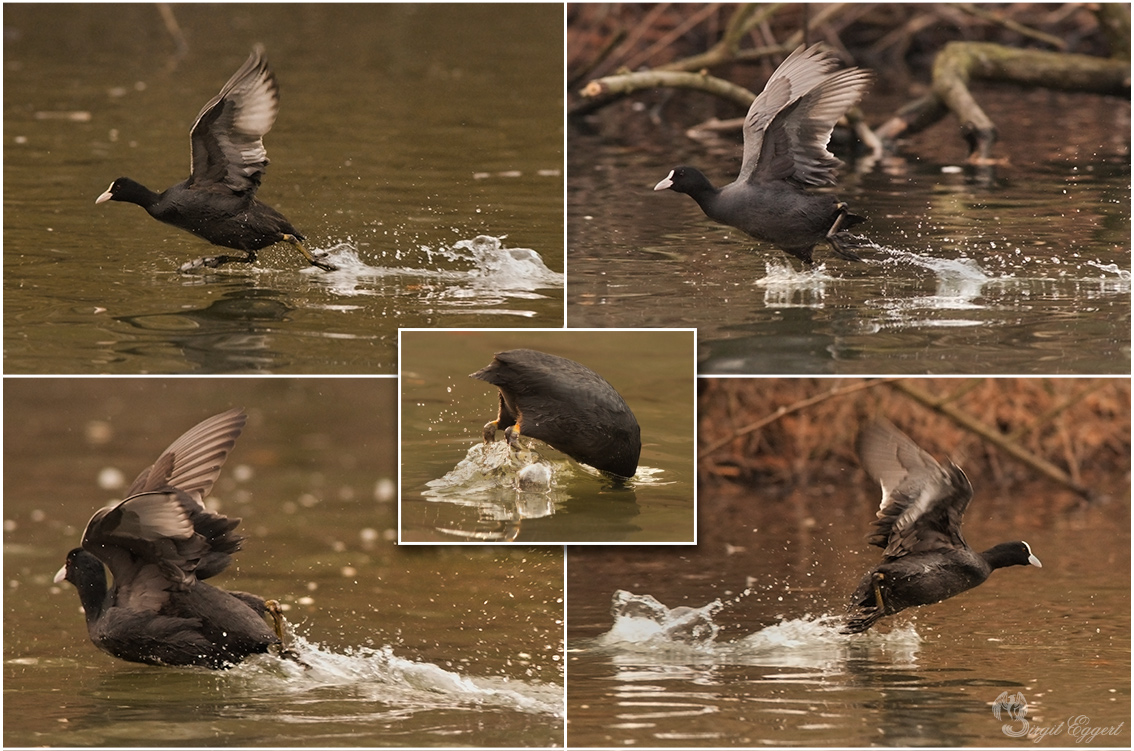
(789, 125)
(227, 137)
(922, 502)
(529, 371)
(193, 462)
(546, 385)
(167, 530)
(140, 587)
(801, 71)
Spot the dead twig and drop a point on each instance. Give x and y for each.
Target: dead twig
(796, 407)
(602, 90)
(993, 436)
(1012, 25)
(960, 62)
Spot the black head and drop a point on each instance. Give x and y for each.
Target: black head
(1017, 553)
(88, 575)
(130, 191)
(688, 180)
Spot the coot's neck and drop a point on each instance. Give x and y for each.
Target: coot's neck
(1008, 554)
(134, 192)
(89, 578)
(698, 187)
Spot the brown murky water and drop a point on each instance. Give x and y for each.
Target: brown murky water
(779, 675)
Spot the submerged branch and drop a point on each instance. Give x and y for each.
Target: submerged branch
(603, 90)
(960, 62)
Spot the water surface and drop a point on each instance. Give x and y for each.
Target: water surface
(778, 672)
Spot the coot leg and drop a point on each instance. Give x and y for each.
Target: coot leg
(866, 616)
(273, 608)
(489, 431)
(307, 254)
(837, 243)
(878, 577)
(279, 625)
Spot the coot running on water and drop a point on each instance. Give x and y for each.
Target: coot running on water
(567, 406)
(160, 544)
(919, 527)
(785, 151)
(218, 202)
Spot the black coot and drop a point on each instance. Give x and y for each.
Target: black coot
(567, 406)
(218, 202)
(919, 526)
(785, 151)
(160, 544)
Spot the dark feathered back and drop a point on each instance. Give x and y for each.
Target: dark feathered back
(567, 406)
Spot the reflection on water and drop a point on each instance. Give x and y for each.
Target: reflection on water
(243, 326)
(494, 489)
(488, 480)
(406, 646)
(362, 696)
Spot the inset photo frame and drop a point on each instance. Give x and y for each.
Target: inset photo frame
(547, 436)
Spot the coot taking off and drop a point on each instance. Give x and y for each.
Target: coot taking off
(159, 544)
(567, 406)
(785, 151)
(218, 202)
(926, 559)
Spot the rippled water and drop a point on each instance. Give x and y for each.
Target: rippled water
(405, 647)
(497, 494)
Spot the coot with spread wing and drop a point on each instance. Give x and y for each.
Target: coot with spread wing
(785, 151)
(160, 544)
(926, 559)
(218, 201)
